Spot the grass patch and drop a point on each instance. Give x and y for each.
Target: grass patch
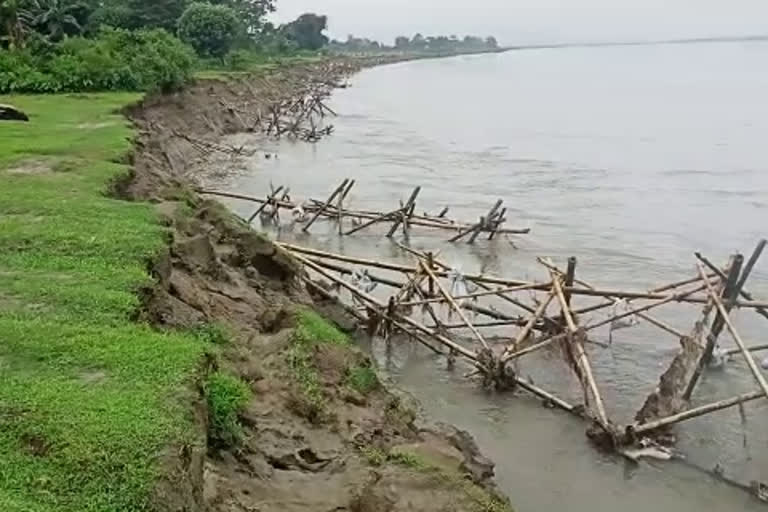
(88, 397)
(227, 396)
(362, 379)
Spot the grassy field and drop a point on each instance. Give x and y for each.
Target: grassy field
(88, 398)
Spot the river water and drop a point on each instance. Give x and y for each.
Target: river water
(629, 158)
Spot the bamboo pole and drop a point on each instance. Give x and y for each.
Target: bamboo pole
(639, 310)
(477, 294)
(533, 348)
(743, 292)
(319, 212)
(580, 353)
(549, 397)
(498, 224)
(404, 211)
(340, 206)
(755, 348)
(478, 279)
(269, 200)
(542, 309)
(453, 304)
(730, 293)
(479, 225)
(696, 412)
(347, 271)
(759, 377)
(405, 319)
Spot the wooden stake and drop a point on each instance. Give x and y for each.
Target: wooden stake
(336, 192)
(744, 293)
(404, 211)
(759, 377)
(473, 228)
(340, 206)
(269, 200)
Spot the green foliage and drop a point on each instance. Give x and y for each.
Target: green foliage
(250, 12)
(362, 379)
(210, 29)
(226, 396)
(88, 397)
(307, 30)
(55, 18)
(117, 60)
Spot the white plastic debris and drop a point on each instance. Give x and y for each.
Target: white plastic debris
(362, 281)
(764, 363)
(299, 214)
(719, 358)
(621, 307)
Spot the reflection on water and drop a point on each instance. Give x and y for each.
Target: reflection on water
(629, 159)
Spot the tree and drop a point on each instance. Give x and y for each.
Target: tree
(418, 42)
(14, 23)
(491, 42)
(151, 13)
(55, 18)
(307, 31)
(402, 43)
(210, 29)
(250, 12)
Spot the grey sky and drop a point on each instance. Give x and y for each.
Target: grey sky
(535, 21)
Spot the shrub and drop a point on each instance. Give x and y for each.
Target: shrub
(210, 29)
(226, 396)
(116, 60)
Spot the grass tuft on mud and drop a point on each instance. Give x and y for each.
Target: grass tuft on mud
(89, 399)
(311, 334)
(226, 396)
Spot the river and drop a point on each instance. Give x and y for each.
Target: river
(629, 158)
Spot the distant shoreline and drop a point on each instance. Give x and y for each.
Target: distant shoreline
(735, 39)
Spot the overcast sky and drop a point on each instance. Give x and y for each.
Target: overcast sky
(537, 21)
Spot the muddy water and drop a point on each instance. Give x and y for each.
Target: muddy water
(629, 159)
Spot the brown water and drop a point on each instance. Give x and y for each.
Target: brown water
(628, 158)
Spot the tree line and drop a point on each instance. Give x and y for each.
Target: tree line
(73, 45)
(419, 44)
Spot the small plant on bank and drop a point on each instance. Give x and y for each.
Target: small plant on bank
(226, 396)
(362, 379)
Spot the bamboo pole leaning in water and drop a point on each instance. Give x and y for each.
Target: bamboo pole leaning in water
(695, 412)
(341, 188)
(269, 201)
(580, 354)
(759, 377)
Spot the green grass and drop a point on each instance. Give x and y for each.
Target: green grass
(88, 398)
(312, 330)
(226, 396)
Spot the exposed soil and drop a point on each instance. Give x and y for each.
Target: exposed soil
(360, 453)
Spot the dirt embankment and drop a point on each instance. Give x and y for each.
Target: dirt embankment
(315, 435)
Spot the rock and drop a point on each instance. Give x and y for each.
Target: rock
(11, 113)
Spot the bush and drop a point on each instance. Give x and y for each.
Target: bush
(210, 29)
(226, 396)
(116, 60)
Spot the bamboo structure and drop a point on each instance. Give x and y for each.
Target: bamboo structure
(428, 286)
(404, 215)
